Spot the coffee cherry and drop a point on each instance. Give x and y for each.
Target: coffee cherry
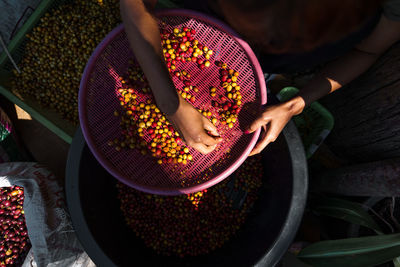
(57, 50)
(193, 224)
(144, 127)
(14, 241)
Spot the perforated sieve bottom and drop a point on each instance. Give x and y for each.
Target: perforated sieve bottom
(98, 99)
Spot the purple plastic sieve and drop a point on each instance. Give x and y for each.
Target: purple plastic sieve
(98, 99)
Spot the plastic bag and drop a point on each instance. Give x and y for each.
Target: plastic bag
(10, 150)
(53, 239)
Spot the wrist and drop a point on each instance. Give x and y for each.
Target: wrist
(167, 100)
(295, 105)
(169, 107)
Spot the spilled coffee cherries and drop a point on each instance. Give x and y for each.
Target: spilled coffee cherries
(197, 223)
(14, 240)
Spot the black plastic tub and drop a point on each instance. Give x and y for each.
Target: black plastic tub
(263, 239)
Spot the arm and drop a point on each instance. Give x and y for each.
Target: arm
(144, 38)
(331, 78)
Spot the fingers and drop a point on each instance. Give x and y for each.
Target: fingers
(268, 137)
(206, 143)
(259, 122)
(203, 149)
(210, 127)
(214, 138)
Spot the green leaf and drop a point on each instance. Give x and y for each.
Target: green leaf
(351, 212)
(353, 252)
(166, 4)
(396, 262)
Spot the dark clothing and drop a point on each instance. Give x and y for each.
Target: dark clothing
(289, 63)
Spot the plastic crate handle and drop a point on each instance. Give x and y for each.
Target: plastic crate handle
(19, 21)
(12, 36)
(9, 55)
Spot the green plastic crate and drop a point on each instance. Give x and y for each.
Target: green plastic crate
(49, 118)
(314, 123)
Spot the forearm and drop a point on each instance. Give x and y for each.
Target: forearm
(332, 77)
(337, 74)
(345, 69)
(144, 38)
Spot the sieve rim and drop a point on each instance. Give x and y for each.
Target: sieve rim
(100, 157)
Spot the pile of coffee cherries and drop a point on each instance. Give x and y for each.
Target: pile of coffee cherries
(145, 127)
(193, 224)
(188, 91)
(181, 45)
(231, 102)
(57, 50)
(14, 240)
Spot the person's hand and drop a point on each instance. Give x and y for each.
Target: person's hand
(273, 119)
(193, 127)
